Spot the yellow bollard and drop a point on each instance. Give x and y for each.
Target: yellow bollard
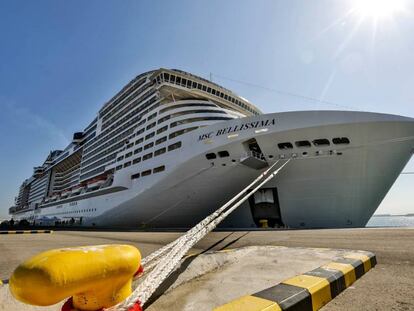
(96, 276)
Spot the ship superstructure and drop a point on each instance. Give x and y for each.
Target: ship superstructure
(130, 119)
(171, 147)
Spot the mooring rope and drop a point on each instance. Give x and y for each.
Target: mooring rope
(170, 261)
(204, 222)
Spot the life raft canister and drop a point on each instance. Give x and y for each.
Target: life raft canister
(95, 277)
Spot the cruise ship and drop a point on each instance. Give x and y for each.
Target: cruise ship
(172, 147)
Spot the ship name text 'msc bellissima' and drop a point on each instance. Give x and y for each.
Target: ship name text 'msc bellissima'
(171, 147)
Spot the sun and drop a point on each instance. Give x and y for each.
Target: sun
(377, 9)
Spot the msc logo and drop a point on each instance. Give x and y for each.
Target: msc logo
(205, 136)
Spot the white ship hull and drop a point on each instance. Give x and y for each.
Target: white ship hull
(329, 186)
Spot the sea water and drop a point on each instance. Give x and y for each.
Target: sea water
(391, 221)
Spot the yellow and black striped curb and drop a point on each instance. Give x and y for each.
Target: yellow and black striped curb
(309, 291)
(26, 231)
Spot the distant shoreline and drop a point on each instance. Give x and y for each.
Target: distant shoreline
(390, 215)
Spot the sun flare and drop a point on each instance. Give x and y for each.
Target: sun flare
(378, 8)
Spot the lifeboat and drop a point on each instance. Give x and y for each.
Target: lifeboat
(65, 194)
(76, 190)
(95, 183)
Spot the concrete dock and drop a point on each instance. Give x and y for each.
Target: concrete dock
(389, 286)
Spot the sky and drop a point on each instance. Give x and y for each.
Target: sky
(60, 61)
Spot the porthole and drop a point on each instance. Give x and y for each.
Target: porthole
(303, 144)
(135, 176)
(160, 151)
(284, 146)
(137, 160)
(223, 154)
(211, 156)
(321, 142)
(159, 169)
(147, 156)
(146, 173)
(341, 141)
(147, 146)
(174, 146)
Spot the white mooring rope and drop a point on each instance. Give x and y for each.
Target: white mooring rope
(146, 261)
(167, 263)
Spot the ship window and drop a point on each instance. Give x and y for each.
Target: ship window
(159, 169)
(182, 113)
(120, 158)
(135, 176)
(303, 144)
(149, 126)
(147, 156)
(204, 88)
(185, 121)
(161, 140)
(188, 105)
(180, 132)
(141, 131)
(118, 167)
(321, 142)
(146, 173)
(139, 141)
(166, 76)
(184, 81)
(341, 141)
(163, 119)
(209, 90)
(159, 151)
(147, 146)
(223, 154)
(127, 164)
(211, 156)
(128, 155)
(137, 160)
(152, 116)
(138, 150)
(141, 122)
(130, 145)
(194, 85)
(174, 146)
(162, 129)
(150, 135)
(284, 146)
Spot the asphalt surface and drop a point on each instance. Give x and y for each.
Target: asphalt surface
(389, 286)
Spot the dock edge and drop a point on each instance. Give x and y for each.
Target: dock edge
(309, 291)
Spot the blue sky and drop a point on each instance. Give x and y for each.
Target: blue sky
(60, 61)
